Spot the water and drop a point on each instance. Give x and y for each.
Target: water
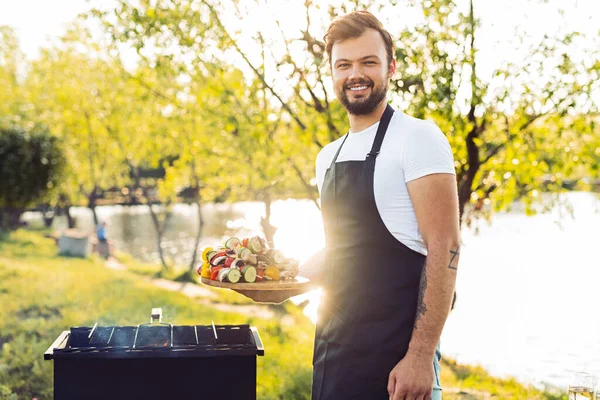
(521, 281)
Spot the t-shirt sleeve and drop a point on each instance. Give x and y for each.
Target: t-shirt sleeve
(426, 151)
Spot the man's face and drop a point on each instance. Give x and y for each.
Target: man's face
(361, 72)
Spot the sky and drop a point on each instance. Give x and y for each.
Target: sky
(36, 22)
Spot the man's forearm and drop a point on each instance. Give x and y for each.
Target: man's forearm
(435, 297)
(313, 267)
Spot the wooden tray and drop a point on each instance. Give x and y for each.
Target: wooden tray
(274, 292)
(290, 284)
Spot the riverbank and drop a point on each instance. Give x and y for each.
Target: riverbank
(42, 294)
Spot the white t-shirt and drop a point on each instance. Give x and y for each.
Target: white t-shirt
(411, 149)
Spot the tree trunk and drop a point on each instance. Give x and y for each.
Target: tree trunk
(198, 236)
(159, 234)
(70, 219)
(466, 186)
(48, 214)
(92, 205)
(268, 229)
(10, 218)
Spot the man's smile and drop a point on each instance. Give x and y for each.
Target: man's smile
(358, 89)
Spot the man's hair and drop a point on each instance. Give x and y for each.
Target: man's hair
(353, 25)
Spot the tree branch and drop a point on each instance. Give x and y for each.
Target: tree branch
(258, 74)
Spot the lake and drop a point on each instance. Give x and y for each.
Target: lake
(524, 283)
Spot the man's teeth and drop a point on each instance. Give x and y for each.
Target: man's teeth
(359, 88)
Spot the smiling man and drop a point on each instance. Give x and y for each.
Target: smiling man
(390, 211)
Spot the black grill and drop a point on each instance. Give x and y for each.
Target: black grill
(156, 361)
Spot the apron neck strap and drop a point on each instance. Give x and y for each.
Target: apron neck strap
(338, 151)
(381, 129)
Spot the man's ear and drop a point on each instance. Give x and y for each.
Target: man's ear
(392, 69)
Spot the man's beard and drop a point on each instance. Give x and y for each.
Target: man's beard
(363, 106)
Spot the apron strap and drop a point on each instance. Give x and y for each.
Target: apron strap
(381, 129)
(338, 151)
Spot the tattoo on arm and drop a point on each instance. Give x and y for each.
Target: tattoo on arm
(421, 307)
(454, 254)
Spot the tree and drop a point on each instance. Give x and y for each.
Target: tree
(31, 164)
(11, 95)
(239, 119)
(68, 91)
(508, 134)
(513, 137)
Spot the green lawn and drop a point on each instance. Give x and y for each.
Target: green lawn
(42, 294)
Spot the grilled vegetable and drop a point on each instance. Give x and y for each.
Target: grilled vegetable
(275, 256)
(231, 253)
(214, 273)
(228, 262)
(205, 270)
(237, 263)
(244, 253)
(249, 273)
(218, 260)
(257, 245)
(262, 258)
(290, 266)
(232, 275)
(260, 274)
(205, 253)
(211, 254)
(232, 243)
(219, 254)
(272, 272)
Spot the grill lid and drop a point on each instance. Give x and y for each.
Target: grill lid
(156, 340)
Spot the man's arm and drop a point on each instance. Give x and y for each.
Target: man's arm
(313, 268)
(435, 201)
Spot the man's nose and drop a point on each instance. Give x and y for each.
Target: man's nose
(356, 71)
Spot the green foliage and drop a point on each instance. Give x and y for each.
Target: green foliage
(478, 382)
(244, 112)
(31, 165)
(12, 102)
(24, 366)
(6, 393)
(43, 294)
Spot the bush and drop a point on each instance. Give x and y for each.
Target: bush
(24, 368)
(31, 165)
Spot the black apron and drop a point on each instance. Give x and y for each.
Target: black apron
(371, 282)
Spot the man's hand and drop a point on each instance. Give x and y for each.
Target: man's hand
(411, 379)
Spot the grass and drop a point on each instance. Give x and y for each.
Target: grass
(42, 294)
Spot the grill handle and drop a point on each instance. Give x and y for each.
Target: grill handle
(156, 316)
(60, 341)
(260, 350)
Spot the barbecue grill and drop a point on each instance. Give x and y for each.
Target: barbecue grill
(156, 361)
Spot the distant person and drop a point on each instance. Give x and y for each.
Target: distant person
(101, 232)
(103, 245)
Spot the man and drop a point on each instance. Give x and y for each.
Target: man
(390, 210)
(101, 232)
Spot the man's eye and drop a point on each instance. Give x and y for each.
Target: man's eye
(342, 65)
(370, 63)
